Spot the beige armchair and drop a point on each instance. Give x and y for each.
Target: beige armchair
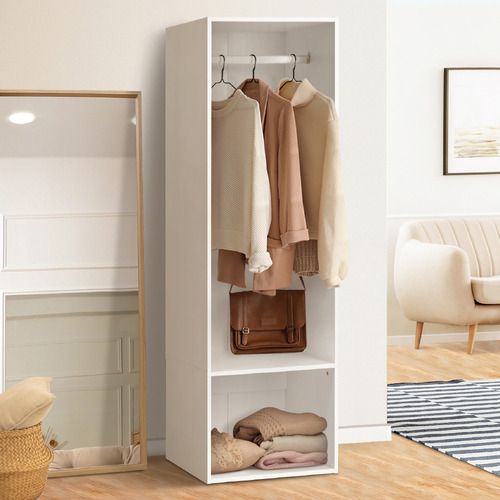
(448, 271)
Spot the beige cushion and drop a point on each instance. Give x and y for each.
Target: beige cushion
(477, 237)
(231, 454)
(26, 403)
(486, 290)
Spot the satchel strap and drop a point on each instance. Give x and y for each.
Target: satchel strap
(302, 281)
(290, 329)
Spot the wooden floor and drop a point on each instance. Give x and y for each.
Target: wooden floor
(398, 470)
(443, 362)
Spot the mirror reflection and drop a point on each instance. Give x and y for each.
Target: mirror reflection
(70, 270)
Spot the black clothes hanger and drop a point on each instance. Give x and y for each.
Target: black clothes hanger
(253, 79)
(254, 66)
(293, 72)
(222, 75)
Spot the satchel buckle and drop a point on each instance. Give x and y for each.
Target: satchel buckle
(245, 331)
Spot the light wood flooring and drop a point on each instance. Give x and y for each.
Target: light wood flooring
(399, 469)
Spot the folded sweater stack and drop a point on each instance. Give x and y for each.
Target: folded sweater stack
(271, 439)
(287, 439)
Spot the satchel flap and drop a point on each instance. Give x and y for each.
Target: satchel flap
(263, 312)
(259, 312)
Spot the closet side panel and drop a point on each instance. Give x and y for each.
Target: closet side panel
(187, 247)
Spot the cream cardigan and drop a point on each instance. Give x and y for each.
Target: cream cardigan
(241, 196)
(317, 132)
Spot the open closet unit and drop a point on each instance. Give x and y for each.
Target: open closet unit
(207, 385)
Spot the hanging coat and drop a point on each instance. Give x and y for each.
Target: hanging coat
(326, 253)
(288, 222)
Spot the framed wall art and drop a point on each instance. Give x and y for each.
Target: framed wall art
(471, 121)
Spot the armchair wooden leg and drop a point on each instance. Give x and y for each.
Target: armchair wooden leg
(470, 342)
(418, 334)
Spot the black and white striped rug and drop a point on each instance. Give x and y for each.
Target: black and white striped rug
(459, 418)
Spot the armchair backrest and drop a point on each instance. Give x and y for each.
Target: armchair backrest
(479, 238)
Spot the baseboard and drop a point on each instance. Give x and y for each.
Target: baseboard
(364, 434)
(156, 447)
(440, 338)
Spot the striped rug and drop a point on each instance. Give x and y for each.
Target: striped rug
(459, 418)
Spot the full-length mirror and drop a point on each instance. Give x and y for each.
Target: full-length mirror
(71, 270)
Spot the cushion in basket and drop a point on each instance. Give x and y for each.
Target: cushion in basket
(26, 403)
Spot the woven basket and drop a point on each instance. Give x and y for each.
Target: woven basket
(24, 463)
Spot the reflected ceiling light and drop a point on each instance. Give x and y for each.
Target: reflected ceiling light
(134, 121)
(21, 117)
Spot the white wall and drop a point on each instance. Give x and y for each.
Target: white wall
(119, 44)
(425, 36)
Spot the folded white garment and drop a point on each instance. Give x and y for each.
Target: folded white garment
(297, 442)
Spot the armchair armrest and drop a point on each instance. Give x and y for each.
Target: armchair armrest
(432, 283)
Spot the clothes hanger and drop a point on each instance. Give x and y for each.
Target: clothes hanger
(254, 66)
(222, 75)
(251, 80)
(293, 72)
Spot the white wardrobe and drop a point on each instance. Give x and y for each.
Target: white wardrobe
(207, 386)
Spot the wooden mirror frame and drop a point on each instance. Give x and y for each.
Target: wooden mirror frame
(136, 95)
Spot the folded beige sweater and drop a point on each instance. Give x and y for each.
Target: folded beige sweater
(300, 443)
(271, 422)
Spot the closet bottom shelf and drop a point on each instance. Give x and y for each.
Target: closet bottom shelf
(253, 474)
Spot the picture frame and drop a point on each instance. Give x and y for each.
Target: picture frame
(471, 128)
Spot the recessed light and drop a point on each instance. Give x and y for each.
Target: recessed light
(134, 121)
(21, 117)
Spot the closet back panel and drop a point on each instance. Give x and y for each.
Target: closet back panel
(320, 319)
(236, 397)
(275, 38)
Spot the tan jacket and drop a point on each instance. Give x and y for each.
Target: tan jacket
(317, 131)
(288, 221)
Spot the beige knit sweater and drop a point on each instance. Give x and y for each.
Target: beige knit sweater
(241, 197)
(317, 131)
(270, 422)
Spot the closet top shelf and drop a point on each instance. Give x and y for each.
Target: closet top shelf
(278, 59)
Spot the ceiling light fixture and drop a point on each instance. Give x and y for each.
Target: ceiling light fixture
(21, 117)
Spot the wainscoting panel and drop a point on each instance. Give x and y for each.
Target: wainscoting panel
(88, 415)
(73, 241)
(72, 358)
(83, 341)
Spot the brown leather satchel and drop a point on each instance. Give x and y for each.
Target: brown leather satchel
(268, 324)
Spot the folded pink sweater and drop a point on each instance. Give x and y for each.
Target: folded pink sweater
(290, 459)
